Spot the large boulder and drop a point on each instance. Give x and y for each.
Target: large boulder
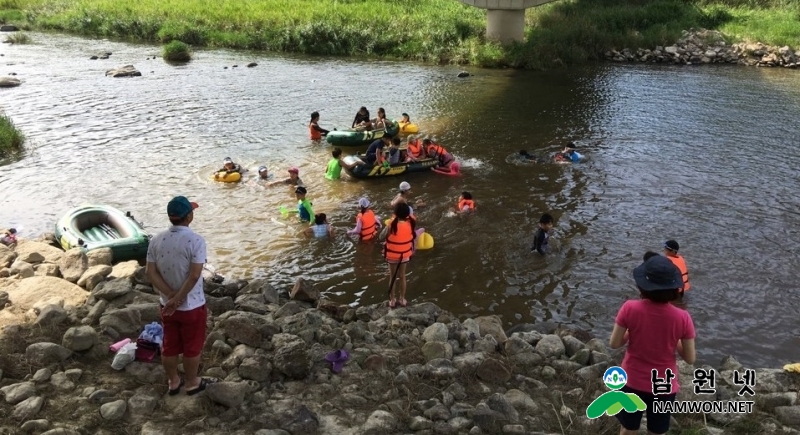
(110, 290)
(41, 289)
(28, 408)
(7, 256)
(100, 257)
(22, 268)
(16, 393)
(28, 250)
(435, 333)
(125, 321)
(126, 269)
(304, 291)
(113, 410)
(247, 328)
(291, 356)
(50, 314)
(47, 269)
(94, 275)
(79, 338)
(46, 353)
(230, 394)
(492, 325)
(73, 264)
(550, 346)
(380, 422)
(9, 82)
(124, 71)
(299, 421)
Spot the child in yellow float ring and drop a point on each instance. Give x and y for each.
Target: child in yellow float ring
(228, 168)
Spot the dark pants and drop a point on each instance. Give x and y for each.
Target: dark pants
(656, 423)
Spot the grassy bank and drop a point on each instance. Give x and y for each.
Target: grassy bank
(562, 33)
(11, 139)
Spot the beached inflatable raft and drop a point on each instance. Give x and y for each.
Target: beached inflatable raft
(100, 226)
(359, 138)
(370, 171)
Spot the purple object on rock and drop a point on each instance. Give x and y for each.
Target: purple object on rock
(337, 358)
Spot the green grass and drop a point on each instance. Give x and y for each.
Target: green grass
(177, 51)
(565, 32)
(11, 139)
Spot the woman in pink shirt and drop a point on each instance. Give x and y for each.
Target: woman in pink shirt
(654, 330)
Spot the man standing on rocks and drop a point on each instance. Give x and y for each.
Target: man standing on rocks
(175, 260)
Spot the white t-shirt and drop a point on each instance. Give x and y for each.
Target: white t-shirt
(173, 252)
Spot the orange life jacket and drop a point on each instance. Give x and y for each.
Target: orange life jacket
(466, 203)
(436, 150)
(415, 149)
(680, 263)
(399, 246)
(368, 225)
(315, 134)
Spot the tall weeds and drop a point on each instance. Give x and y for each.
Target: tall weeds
(11, 139)
(560, 33)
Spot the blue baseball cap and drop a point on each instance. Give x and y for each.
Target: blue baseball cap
(180, 207)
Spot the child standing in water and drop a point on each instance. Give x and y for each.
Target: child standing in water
(671, 251)
(335, 165)
(321, 227)
(314, 130)
(540, 239)
(465, 203)
(654, 330)
(304, 209)
(367, 224)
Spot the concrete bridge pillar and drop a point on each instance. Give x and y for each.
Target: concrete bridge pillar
(505, 25)
(505, 19)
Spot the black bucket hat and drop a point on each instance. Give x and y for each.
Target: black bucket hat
(658, 273)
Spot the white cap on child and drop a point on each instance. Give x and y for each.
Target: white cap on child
(404, 186)
(363, 203)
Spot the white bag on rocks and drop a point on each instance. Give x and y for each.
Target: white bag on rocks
(124, 356)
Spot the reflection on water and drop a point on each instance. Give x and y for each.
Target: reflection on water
(702, 155)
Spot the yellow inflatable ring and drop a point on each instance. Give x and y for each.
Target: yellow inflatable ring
(232, 177)
(424, 241)
(408, 127)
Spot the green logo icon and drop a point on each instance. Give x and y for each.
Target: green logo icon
(612, 402)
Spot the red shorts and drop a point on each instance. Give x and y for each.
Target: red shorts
(184, 332)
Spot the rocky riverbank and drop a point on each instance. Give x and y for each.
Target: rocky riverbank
(416, 370)
(700, 46)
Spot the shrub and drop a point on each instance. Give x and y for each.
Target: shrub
(18, 38)
(177, 51)
(11, 139)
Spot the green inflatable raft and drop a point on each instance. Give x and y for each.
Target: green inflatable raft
(100, 226)
(359, 137)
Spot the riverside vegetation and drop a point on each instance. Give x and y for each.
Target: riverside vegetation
(11, 139)
(566, 32)
(417, 370)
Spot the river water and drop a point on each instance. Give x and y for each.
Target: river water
(704, 155)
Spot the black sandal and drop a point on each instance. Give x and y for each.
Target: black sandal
(204, 382)
(173, 392)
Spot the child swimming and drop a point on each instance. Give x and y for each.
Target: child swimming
(465, 203)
